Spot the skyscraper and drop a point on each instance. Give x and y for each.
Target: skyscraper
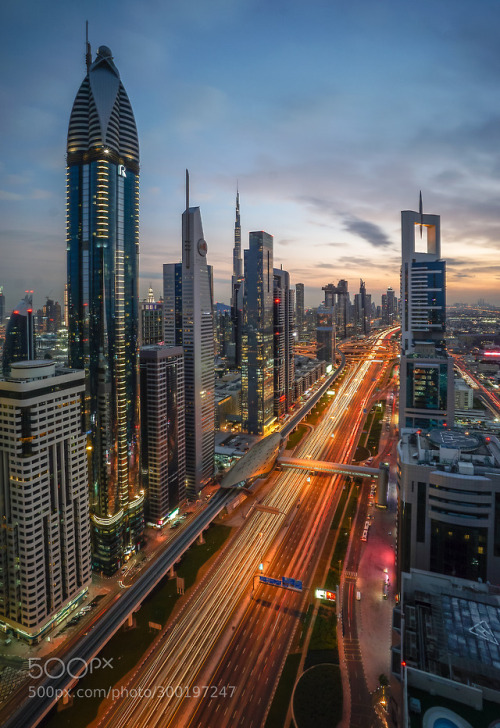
(389, 309)
(2, 305)
(284, 330)
(325, 333)
(45, 558)
(163, 465)
(198, 345)
(51, 317)
(257, 365)
(237, 261)
(342, 309)
(237, 282)
(19, 335)
(337, 296)
(362, 310)
(299, 302)
(426, 395)
(151, 312)
(103, 272)
(172, 304)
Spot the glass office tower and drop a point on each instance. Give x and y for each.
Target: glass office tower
(103, 271)
(19, 335)
(257, 365)
(426, 395)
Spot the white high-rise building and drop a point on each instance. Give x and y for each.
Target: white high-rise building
(45, 554)
(198, 345)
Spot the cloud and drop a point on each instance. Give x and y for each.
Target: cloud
(35, 194)
(367, 230)
(331, 245)
(5, 195)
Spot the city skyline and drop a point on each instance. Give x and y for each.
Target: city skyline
(329, 123)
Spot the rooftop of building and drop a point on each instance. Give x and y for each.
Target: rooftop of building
(258, 461)
(451, 627)
(227, 386)
(462, 451)
(234, 444)
(305, 363)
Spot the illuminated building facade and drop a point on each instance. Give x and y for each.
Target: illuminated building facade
(103, 272)
(426, 389)
(237, 288)
(389, 307)
(299, 310)
(151, 313)
(449, 503)
(337, 297)
(172, 304)
(284, 331)
(257, 366)
(45, 551)
(19, 334)
(362, 310)
(325, 333)
(163, 456)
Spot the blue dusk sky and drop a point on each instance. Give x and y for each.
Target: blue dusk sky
(329, 115)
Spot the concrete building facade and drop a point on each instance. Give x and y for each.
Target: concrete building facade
(163, 464)
(198, 345)
(45, 553)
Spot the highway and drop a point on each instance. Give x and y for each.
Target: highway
(197, 642)
(104, 626)
(491, 400)
(19, 711)
(266, 630)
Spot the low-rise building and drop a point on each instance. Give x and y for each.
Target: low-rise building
(464, 396)
(446, 647)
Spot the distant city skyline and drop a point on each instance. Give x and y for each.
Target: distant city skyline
(328, 117)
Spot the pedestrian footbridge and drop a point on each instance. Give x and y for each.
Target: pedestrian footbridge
(324, 466)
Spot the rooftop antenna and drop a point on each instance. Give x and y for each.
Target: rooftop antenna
(421, 210)
(88, 54)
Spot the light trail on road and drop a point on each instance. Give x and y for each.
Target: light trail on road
(184, 649)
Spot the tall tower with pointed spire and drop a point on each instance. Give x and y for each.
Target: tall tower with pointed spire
(237, 286)
(237, 261)
(103, 271)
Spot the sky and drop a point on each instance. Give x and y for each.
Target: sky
(330, 117)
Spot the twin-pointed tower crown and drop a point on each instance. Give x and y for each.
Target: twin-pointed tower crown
(102, 117)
